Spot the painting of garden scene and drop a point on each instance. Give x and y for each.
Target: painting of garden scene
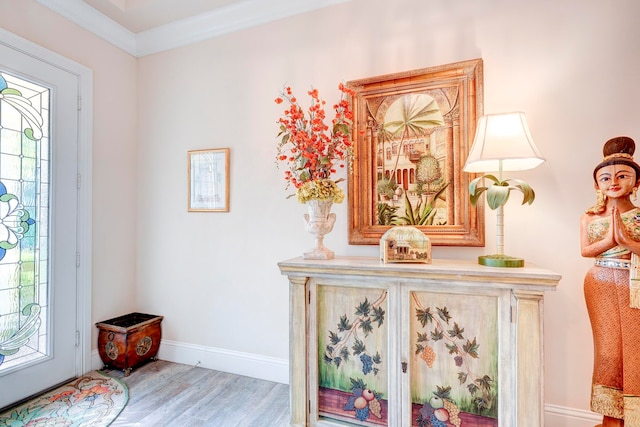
(412, 137)
(412, 134)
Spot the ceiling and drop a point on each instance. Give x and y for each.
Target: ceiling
(143, 27)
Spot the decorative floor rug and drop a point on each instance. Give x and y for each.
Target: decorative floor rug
(94, 400)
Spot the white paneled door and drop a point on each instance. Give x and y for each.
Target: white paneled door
(38, 224)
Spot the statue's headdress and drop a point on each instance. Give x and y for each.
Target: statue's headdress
(618, 151)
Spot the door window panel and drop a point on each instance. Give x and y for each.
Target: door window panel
(24, 216)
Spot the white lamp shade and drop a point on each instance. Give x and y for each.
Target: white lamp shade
(503, 142)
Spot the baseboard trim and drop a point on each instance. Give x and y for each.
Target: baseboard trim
(235, 362)
(562, 416)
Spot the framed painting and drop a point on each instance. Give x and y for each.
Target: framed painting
(208, 180)
(412, 135)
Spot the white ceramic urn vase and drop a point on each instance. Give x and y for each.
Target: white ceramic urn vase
(319, 221)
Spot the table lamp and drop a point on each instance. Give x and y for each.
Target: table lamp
(502, 143)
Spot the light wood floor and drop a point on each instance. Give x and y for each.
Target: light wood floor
(174, 395)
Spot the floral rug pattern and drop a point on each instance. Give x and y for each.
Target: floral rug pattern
(94, 399)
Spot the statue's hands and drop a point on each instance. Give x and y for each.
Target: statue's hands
(617, 227)
(621, 234)
(591, 249)
(616, 224)
(617, 235)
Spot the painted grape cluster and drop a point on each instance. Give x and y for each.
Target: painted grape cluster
(367, 363)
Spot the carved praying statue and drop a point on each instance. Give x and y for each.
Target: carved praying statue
(610, 233)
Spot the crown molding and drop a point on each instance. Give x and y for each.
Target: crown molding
(237, 16)
(90, 19)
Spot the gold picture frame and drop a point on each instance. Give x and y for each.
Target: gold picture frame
(413, 130)
(208, 180)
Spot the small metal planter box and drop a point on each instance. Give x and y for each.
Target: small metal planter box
(127, 341)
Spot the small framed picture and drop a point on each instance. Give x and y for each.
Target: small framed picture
(208, 180)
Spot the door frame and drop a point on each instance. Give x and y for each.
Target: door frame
(84, 225)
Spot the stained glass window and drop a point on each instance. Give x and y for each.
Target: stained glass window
(24, 218)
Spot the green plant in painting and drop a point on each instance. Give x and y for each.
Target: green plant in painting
(422, 213)
(386, 187)
(387, 214)
(428, 173)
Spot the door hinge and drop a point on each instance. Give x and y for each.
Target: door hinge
(79, 103)
(309, 299)
(78, 181)
(77, 259)
(77, 338)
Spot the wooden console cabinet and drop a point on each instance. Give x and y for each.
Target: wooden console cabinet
(451, 343)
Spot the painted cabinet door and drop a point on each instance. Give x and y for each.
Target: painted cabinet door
(459, 357)
(448, 344)
(351, 333)
(391, 354)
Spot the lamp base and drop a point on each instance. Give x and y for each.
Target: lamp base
(499, 260)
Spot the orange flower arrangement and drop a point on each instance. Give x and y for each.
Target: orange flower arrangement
(312, 153)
